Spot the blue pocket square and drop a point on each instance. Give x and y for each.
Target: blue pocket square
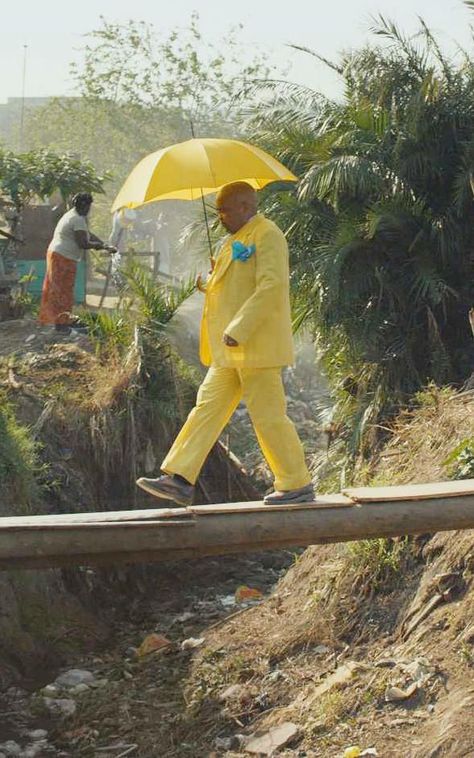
(241, 252)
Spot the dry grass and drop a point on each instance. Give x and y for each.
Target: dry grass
(423, 439)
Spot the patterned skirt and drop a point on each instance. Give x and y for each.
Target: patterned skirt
(58, 289)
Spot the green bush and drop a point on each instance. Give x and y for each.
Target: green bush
(18, 465)
(460, 463)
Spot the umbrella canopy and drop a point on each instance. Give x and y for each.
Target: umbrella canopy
(189, 170)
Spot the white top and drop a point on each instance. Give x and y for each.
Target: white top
(64, 241)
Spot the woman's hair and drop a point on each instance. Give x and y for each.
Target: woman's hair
(81, 199)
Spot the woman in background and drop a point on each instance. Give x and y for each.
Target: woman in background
(71, 238)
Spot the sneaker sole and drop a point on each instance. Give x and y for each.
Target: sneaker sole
(162, 495)
(309, 499)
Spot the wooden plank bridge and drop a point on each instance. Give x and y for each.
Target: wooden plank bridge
(203, 530)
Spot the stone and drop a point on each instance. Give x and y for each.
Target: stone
(50, 690)
(468, 634)
(37, 734)
(321, 649)
(11, 748)
(80, 689)
(234, 692)
(64, 707)
(99, 683)
(223, 743)
(73, 677)
(33, 751)
(277, 737)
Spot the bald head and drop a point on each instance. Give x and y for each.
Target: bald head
(236, 203)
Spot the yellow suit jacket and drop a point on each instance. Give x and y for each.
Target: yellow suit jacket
(249, 300)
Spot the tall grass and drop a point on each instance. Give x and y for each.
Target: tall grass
(19, 465)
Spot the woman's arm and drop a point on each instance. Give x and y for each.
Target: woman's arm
(88, 241)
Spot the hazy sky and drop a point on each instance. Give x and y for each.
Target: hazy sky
(53, 31)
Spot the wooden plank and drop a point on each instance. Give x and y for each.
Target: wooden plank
(427, 491)
(323, 501)
(96, 516)
(32, 526)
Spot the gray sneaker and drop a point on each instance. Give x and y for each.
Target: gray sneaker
(169, 488)
(302, 495)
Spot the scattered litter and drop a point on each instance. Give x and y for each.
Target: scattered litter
(419, 670)
(267, 743)
(228, 601)
(30, 338)
(341, 675)
(192, 642)
(186, 616)
(352, 752)
(396, 694)
(243, 594)
(152, 644)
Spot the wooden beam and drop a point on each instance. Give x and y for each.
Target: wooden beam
(178, 533)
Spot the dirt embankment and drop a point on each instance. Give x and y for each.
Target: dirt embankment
(368, 645)
(76, 431)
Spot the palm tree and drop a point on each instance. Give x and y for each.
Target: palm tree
(381, 225)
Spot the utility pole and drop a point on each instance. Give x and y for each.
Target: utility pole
(22, 112)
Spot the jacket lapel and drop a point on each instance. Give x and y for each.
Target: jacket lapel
(224, 259)
(223, 262)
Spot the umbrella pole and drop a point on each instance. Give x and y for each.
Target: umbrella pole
(203, 203)
(207, 226)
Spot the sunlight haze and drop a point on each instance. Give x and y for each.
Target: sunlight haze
(53, 32)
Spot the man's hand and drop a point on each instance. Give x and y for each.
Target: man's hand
(229, 341)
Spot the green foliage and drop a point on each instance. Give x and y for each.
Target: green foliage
(381, 227)
(155, 302)
(182, 74)
(379, 561)
(460, 462)
(41, 172)
(110, 331)
(147, 306)
(18, 465)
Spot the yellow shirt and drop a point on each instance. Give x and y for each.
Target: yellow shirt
(249, 300)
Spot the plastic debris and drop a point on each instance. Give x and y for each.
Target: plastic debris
(152, 644)
(353, 751)
(243, 594)
(192, 642)
(396, 694)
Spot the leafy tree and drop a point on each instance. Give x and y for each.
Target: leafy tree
(381, 226)
(39, 173)
(139, 91)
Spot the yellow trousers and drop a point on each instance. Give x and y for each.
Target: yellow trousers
(220, 393)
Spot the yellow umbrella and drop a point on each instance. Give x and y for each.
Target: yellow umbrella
(189, 170)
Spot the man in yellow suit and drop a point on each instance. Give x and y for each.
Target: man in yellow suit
(246, 339)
